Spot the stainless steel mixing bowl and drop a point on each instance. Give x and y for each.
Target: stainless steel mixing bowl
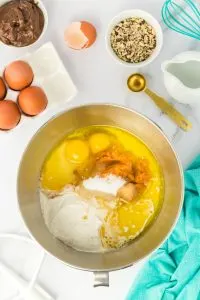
(49, 135)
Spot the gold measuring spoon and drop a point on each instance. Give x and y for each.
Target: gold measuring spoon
(137, 83)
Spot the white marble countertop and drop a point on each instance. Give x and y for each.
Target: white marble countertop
(99, 79)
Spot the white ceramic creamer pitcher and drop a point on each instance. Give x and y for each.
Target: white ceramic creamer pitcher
(182, 77)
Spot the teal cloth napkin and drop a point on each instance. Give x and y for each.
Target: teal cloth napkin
(173, 271)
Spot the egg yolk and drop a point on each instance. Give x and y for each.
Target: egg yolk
(57, 171)
(99, 142)
(77, 151)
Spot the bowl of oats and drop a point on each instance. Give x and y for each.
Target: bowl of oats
(134, 38)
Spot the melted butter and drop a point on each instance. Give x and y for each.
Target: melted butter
(126, 222)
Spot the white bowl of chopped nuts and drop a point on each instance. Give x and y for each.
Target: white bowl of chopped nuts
(134, 38)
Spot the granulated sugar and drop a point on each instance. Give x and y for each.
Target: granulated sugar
(110, 184)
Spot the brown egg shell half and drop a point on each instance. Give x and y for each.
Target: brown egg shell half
(84, 30)
(90, 32)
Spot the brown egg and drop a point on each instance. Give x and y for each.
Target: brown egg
(32, 100)
(9, 114)
(3, 89)
(18, 75)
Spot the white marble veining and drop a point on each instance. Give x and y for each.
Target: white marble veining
(98, 79)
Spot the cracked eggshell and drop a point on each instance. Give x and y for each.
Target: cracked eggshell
(80, 35)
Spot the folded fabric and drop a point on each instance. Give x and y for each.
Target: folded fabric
(173, 271)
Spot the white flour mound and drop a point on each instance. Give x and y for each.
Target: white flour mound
(76, 221)
(73, 221)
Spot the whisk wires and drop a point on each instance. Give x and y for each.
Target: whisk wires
(184, 19)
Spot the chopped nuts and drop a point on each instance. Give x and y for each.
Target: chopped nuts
(133, 40)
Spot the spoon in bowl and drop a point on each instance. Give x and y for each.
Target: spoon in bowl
(137, 83)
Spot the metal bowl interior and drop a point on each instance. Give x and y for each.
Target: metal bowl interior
(49, 135)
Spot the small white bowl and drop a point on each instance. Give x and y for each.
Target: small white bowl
(150, 20)
(40, 4)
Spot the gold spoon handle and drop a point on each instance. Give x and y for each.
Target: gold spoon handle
(169, 110)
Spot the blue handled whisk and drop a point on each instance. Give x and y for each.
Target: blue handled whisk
(183, 17)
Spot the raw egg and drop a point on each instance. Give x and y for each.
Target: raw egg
(32, 100)
(77, 151)
(80, 35)
(57, 170)
(18, 75)
(9, 114)
(3, 89)
(99, 142)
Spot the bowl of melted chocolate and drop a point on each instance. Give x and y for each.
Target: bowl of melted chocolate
(22, 22)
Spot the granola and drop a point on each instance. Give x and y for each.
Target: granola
(133, 40)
